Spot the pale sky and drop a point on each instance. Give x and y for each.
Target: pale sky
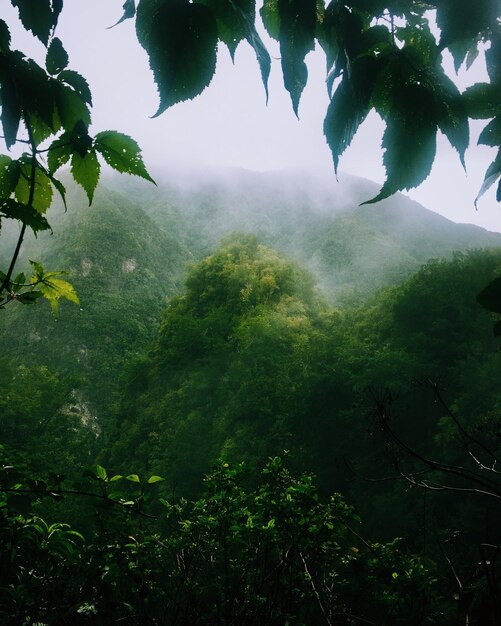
(229, 124)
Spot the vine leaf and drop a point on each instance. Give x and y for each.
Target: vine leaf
(57, 57)
(122, 153)
(409, 141)
(298, 20)
(39, 17)
(85, 170)
(24, 213)
(9, 175)
(180, 39)
(492, 174)
(78, 83)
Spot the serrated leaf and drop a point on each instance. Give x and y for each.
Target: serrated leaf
(472, 55)
(409, 141)
(298, 20)
(11, 103)
(4, 37)
(71, 107)
(60, 152)
(232, 19)
(9, 175)
(101, 472)
(482, 101)
(490, 297)
(53, 289)
(85, 171)
(39, 17)
(129, 10)
(349, 106)
(180, 39)
(28, 297)
(155, 479)
(27, 215)
(492, 174)
(122, 153)
(452, 118)
(491, 135)
(57, 57)
(271, 18)
(134, 478)
(42, 191)
(61, 189)
(463, 20)
(78, 83)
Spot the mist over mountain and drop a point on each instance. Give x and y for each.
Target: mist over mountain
(127, 255)
(352, 250)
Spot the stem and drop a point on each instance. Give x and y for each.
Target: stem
(31, 196)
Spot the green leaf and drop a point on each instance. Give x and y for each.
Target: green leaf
(452, 118)
(85, 170)
(39, 17)
(349, 106)
(9, 175)
(60, 152)
(482, 101)
(461, 21)
(11, 103)
(4, 37)
(114, 479)
(491, 135)
(60, 188)
(101, 472)
(53, 289)
(78, 83)
(271, 18)
(122, 153)
(490, 296)
(43, 193)
(129, 10)
(180, 39)
(134, 478)
(492, 174)
(57, 57)
(155, 479)
(71, 107)
(297, 38)
(409, 140)
(28, 297)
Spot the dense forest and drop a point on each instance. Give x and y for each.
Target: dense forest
(267, 451)
(252, 399)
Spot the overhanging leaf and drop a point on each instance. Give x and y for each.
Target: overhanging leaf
(298, 20)
(491, 135)
(482, 100)
(180, 39)
(492, 174)
(40, 17)
(350, 104)
(409, 141)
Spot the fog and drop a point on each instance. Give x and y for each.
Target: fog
(230, 125)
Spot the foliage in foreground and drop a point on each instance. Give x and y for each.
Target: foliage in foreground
(272, 553)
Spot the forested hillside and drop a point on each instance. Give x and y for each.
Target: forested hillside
(194, 346)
